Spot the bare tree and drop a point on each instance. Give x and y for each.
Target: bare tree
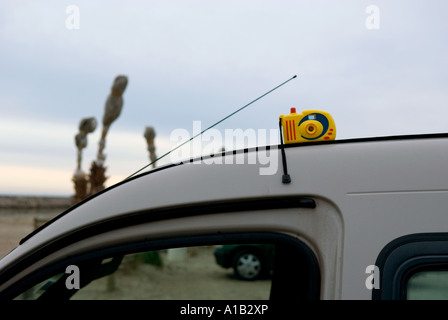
(112, 110)
(86, 126)
(149, 136)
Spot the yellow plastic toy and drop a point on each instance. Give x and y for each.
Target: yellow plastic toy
(310, 125)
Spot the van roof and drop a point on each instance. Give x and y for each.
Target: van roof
(320, 164)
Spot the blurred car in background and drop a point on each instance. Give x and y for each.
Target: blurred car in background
(249, 261)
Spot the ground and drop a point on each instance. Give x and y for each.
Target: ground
(12, 229)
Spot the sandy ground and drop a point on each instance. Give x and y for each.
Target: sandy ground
(12, 229)
(17, 223)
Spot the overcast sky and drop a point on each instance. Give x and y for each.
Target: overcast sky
(379, 71)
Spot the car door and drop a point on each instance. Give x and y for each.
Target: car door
(169, 255)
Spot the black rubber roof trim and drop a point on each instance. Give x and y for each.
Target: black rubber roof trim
(216, 207)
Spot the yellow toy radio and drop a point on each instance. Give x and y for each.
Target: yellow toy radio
(310, 125)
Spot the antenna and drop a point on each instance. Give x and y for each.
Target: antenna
(213, 125)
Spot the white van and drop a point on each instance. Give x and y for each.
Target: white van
(360, 219)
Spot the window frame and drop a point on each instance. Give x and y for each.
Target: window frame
(405, 256)
(279, 288)
(146, 216)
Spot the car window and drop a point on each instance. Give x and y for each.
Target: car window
(414, 267)
(230, 271)
(212, 272)
(428, 285)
